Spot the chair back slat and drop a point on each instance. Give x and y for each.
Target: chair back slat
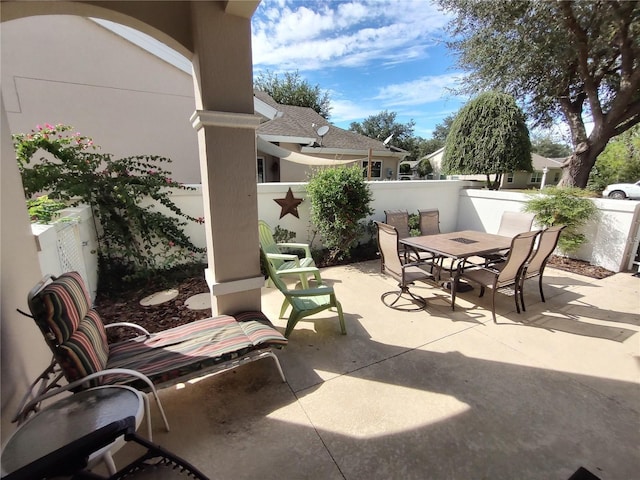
(521, 247)
(546, 245)
(267, 242)
(429, 221)
(398, 219)
(513, 223)
(271, 272)
(389, 249)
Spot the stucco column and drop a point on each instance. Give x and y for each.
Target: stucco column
(226, 126)
(24, 352)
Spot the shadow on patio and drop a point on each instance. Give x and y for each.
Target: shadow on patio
(434, 394)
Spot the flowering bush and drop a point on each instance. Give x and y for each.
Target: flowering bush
(133, 240)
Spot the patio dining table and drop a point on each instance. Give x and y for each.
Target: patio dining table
(459, 246)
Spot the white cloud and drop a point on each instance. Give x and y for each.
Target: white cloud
(419, 91)
(307, 36)
(345, 111)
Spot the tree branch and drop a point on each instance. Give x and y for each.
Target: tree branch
(582, 43)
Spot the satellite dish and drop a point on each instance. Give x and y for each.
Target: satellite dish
(323, 130)
(387, 140)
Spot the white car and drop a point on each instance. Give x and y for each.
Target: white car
(623, 190)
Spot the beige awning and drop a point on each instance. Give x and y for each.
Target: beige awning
(284, 154)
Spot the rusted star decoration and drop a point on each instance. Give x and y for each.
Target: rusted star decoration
(289, 204)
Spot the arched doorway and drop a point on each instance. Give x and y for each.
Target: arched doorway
(216, 36)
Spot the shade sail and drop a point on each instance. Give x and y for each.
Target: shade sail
(284, 154)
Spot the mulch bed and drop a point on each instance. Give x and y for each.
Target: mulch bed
(125, 307)
(578, 266)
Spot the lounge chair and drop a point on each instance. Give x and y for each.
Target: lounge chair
(81, 354)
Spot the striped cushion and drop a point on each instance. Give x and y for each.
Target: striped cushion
(259, 329)
(192, 347)
(66, 302)
(86, 351)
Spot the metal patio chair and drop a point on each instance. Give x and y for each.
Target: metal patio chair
(511, 224)
(394, 264)
(504, 274)
(534, 267)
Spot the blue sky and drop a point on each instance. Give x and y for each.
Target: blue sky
(369, 55)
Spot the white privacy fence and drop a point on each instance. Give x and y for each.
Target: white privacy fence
(612, 238)
(69, 245)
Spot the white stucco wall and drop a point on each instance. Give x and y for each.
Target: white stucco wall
(130, 102)
(609, 237)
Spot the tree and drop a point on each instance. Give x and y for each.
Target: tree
(426, 147)
(619, 163)
(424, 168)
(441, 130)
(488, 136)
(546, 146)
(384, 124)
(562, 59)
(293, 90)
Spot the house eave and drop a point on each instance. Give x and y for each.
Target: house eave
(286, 139)
(348, 151)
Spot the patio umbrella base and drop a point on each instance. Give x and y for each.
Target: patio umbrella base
(412, 303)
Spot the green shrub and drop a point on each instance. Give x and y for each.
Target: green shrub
(133, 240)
(43, 209)
(563, 206)
(339, 200)
(414, 224)
(282, 235)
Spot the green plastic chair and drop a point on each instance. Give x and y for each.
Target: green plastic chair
(306, 301)
(284, 262)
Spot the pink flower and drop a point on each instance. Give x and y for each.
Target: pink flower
(39, 127)
(200, 219)
(171, 244)
(49, 126)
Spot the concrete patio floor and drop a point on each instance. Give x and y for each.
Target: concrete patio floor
(433, 394)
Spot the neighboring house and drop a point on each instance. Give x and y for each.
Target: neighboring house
(295, 140)
(518, 180)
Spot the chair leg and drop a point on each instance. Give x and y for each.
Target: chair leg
(515, 297)
(275, 359)
(283, 309)
(291, 323)
(493, 304)
(522, 294)
(454, 285)
(159, 404)
(147, 413)
(419, 301)
(540, 287)
(343, 328)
